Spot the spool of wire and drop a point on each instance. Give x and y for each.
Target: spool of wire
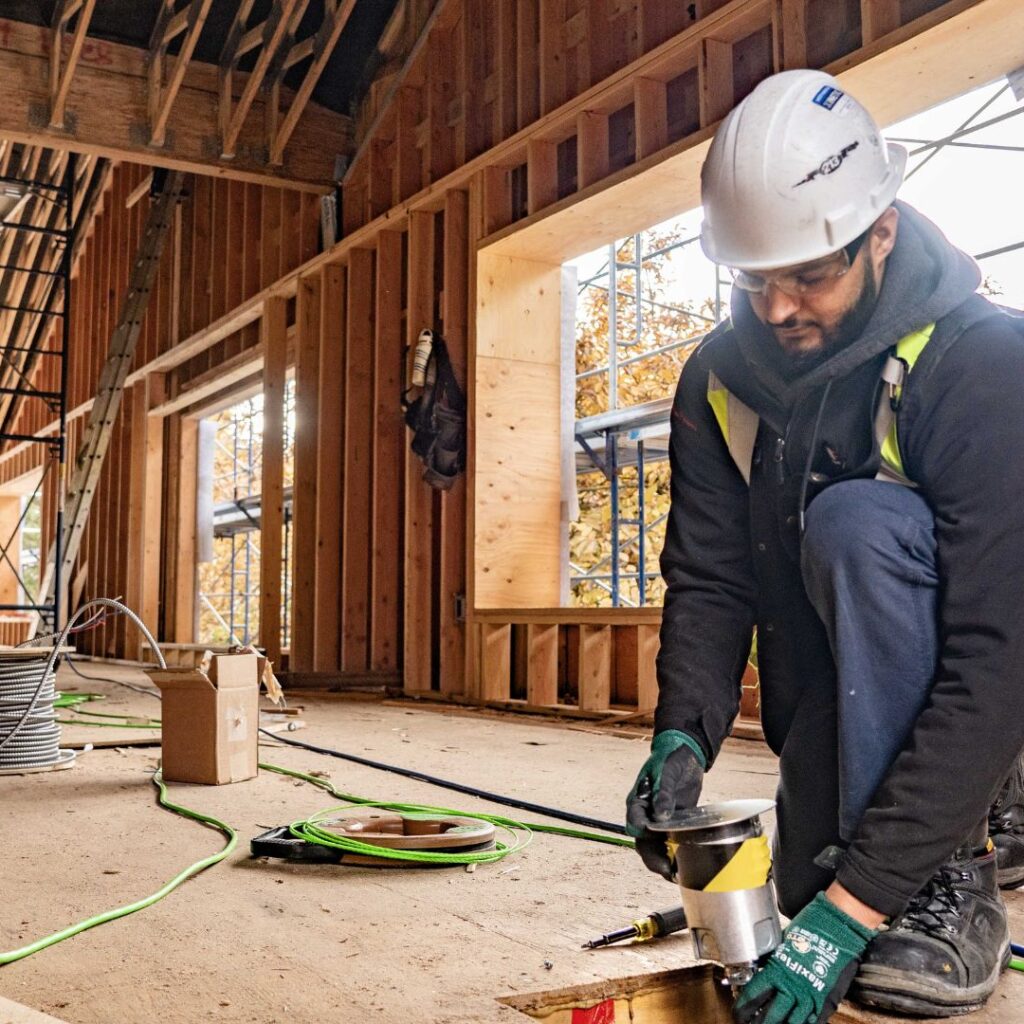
(29, 732)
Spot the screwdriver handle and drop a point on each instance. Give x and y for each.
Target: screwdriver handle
(668, 921)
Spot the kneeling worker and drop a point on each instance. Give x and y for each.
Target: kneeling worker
(848, 475)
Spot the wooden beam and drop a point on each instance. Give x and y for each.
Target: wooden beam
(331, 476)
(452, 554)
(418, 646)
(60, 82)
(358, 467)
(307, 368)
(112, 115)
(388, 457)
(324, 42)
(161, 99)
(274, 338)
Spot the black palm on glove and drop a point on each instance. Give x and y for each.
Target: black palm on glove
(669, 782)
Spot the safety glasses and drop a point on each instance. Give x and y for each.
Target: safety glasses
(806, 279)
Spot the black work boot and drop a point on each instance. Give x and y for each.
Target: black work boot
(943, 955)
(1006, 826)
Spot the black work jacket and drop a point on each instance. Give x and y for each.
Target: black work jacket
(731, 559)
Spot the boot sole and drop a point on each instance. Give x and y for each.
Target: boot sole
(1010, 878)
(888, 989)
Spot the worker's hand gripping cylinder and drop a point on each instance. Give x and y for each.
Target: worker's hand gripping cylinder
(723, 866)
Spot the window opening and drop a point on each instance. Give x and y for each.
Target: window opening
(229, 582)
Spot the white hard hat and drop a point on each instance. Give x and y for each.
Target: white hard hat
(795, 172)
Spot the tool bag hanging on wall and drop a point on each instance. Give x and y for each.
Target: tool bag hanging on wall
(437, 415)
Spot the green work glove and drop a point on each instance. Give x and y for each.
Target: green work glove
(809, 972)
(669, 782)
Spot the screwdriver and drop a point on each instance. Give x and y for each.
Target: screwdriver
(661, 922)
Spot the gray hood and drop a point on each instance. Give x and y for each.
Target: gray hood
(926, 277)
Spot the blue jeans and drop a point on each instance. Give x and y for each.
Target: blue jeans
(861, 658)
(869, 566)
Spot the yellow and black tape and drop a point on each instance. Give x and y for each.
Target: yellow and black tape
(725, 867)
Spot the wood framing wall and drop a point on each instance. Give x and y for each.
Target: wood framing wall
(517, 134)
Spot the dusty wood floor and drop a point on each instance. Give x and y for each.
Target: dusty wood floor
(254, 942)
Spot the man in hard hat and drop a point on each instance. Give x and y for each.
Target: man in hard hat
(848, 475)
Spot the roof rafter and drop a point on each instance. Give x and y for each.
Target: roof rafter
(319, 46)
(270, 35)
(169, 25)
(60, 80)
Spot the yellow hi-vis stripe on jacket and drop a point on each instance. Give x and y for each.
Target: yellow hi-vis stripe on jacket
(739, 423)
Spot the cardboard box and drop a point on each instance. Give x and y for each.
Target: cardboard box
(211, 722)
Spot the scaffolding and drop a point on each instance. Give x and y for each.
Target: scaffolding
(37, 217)
(625, 442)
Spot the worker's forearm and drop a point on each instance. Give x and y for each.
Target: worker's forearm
(853, 907)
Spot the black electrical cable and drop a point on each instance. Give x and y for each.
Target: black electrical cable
(483, 794)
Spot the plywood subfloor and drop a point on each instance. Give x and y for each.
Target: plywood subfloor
(252, 942)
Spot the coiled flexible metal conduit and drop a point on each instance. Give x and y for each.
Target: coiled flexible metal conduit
(29, 732)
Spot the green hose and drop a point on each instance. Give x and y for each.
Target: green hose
(148, 901)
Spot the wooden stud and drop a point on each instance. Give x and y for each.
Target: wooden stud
(878, 18)
(356, 556)
(274, 340)
(331, 566)
(716, 81)
(636, 651)
(790, 34)
(152, 507)
(495, 661)
(304, 504)
(542, 664)
(591, 147)
(388, 457)
(541, 175)
(552, 54)
(408, 174)
(184, 553)
(453, 502)
(595, 667)
(650, 104)
(419, 625)
(527, 62)
(506, 41)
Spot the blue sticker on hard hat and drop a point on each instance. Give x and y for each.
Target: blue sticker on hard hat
(828, 96)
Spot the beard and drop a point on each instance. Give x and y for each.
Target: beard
(849, 328)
